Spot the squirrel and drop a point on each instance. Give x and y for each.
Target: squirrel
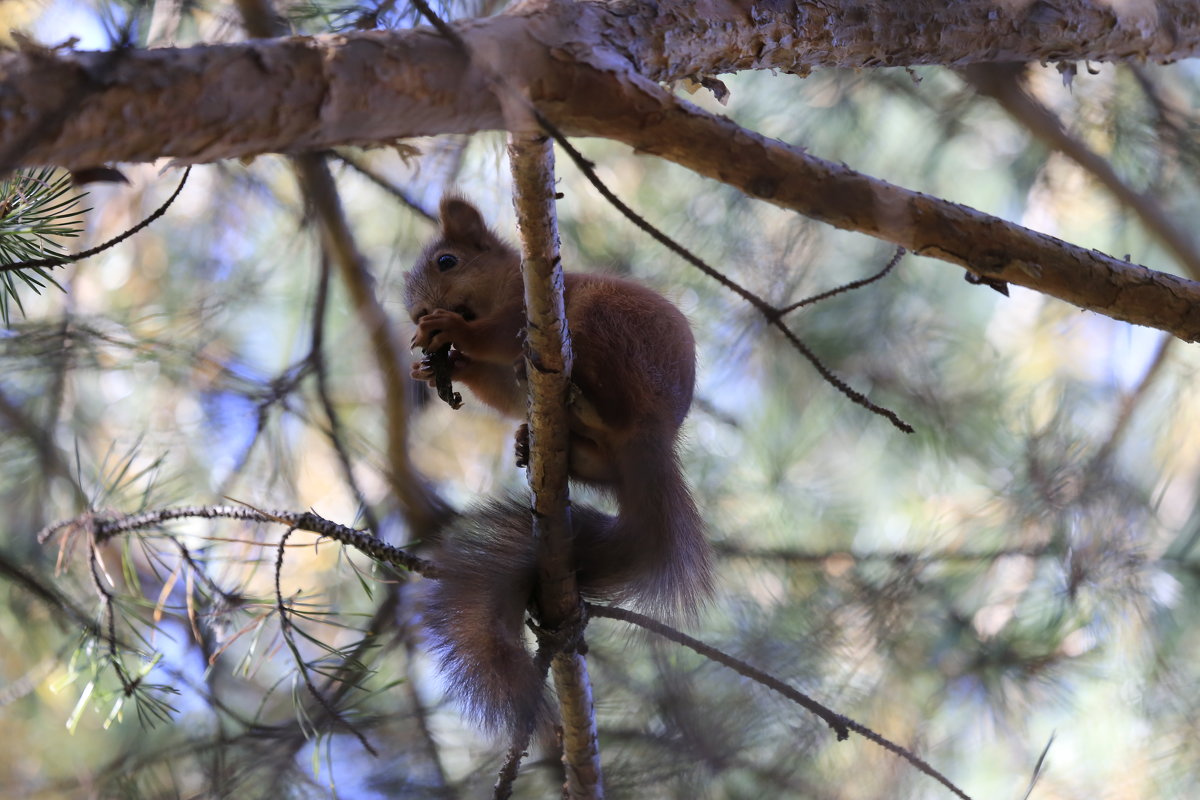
(634, 370)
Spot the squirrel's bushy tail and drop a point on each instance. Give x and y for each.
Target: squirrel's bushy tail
(653, 555)
(475, 613)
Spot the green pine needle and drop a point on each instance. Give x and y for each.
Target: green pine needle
(36, 209)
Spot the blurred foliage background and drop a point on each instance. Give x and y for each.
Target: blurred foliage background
(1020, 572)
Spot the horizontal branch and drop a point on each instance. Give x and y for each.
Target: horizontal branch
(672, 40)
(210, 102)
(106, 525)
(654, 121)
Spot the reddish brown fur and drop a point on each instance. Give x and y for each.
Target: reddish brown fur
(635, 368)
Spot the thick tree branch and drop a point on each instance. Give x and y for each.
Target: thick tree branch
(303, 93)
(591, 68)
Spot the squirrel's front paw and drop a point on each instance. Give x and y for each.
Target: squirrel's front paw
(438, 328)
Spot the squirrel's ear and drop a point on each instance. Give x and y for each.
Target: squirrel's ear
(462, 222)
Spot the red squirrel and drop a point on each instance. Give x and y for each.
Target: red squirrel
(634, 370)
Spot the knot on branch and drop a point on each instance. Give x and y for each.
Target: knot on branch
(566, 637)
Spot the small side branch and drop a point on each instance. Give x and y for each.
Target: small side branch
(285, 627)
(842, 726)
(105, 526)
(774, 316)
(59, 261)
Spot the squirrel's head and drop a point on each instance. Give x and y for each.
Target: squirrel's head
(467, 269)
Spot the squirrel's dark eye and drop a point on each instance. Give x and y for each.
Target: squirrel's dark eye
(446, 261)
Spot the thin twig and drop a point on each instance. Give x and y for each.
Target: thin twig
(508, 770)
(383, 183)
(768, 311)
(59, 261)
(1038, 767)
(95, 570)
(842, 726)
(12, 570)
(549, 647)
(846, 287)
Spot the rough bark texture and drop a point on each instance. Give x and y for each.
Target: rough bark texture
(285, 95)
(1002, 83)
(672, 40)
(593, 69)
(548, 366)
(581, 754)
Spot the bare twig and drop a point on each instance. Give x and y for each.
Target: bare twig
(58, 261)
(106, 526)
(769, 312)
(13, 571)
(1038, 767)
(508, 770)
(846, 287)
(842, 726)
(374, 177)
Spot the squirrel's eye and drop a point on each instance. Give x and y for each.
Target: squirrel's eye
(446, 261)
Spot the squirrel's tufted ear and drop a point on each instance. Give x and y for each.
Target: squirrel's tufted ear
(462, 222)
